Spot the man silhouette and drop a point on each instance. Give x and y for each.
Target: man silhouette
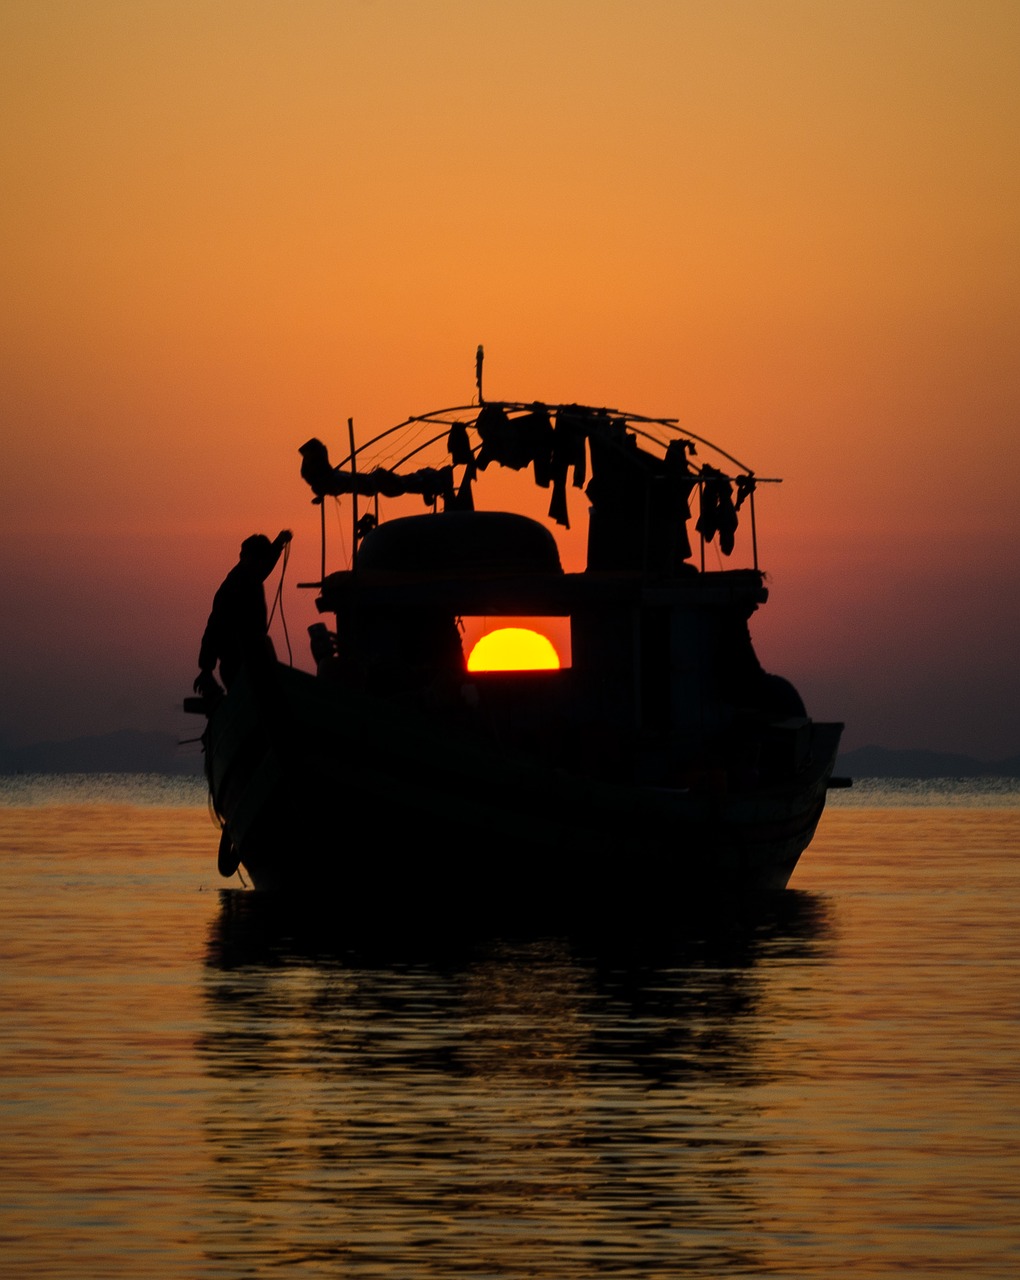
(237, 629)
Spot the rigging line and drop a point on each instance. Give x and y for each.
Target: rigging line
(279, 588)
(407, 422)
(408, 456)
(379, 457)
(383, 456)
(278, 600)
(689, 435)
(341, 533)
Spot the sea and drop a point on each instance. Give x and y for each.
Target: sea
(197, 1083)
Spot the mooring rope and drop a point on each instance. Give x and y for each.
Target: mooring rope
(278, 600)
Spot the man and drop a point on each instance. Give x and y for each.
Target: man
(237, 629)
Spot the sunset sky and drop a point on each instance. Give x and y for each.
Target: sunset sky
(229, 225)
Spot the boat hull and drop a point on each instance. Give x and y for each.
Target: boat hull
(381, 808)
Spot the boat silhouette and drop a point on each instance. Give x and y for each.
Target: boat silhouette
(663, 764)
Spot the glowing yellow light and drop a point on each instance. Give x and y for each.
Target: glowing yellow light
(513, 649)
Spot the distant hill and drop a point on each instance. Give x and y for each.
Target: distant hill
(134, 751)
(127, 751)
(881, 762)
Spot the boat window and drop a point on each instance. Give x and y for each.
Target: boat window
(516, 644)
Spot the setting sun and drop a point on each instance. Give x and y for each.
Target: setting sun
(513, 649)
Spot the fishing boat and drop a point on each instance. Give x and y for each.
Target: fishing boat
(656, 765)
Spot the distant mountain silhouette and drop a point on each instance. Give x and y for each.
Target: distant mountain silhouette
(134, 751)
(126, 751)
(881, 762)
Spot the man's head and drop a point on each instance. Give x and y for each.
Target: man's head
(256, 550)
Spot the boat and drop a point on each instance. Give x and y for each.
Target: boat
(658, 767)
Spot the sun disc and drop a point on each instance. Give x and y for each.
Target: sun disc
(513, 649)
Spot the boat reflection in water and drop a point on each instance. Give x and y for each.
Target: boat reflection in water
(544, 1106)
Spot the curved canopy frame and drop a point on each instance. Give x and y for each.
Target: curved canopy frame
(367, 473)
(467, 415)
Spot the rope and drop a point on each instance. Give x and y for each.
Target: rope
(278, 600)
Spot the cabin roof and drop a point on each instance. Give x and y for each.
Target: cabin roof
(550, 595)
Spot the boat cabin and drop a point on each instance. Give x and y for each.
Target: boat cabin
(660, 666)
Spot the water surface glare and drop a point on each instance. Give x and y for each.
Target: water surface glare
(195, 1083)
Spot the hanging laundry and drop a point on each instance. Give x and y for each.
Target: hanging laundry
(458, 446)
(431, 482)
(572, 428)
(745, 487)
(718, 515)
(680, 480)
(535, 432)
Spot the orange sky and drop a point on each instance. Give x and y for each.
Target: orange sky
(795, 225)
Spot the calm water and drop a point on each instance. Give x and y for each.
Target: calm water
(193, 1085)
